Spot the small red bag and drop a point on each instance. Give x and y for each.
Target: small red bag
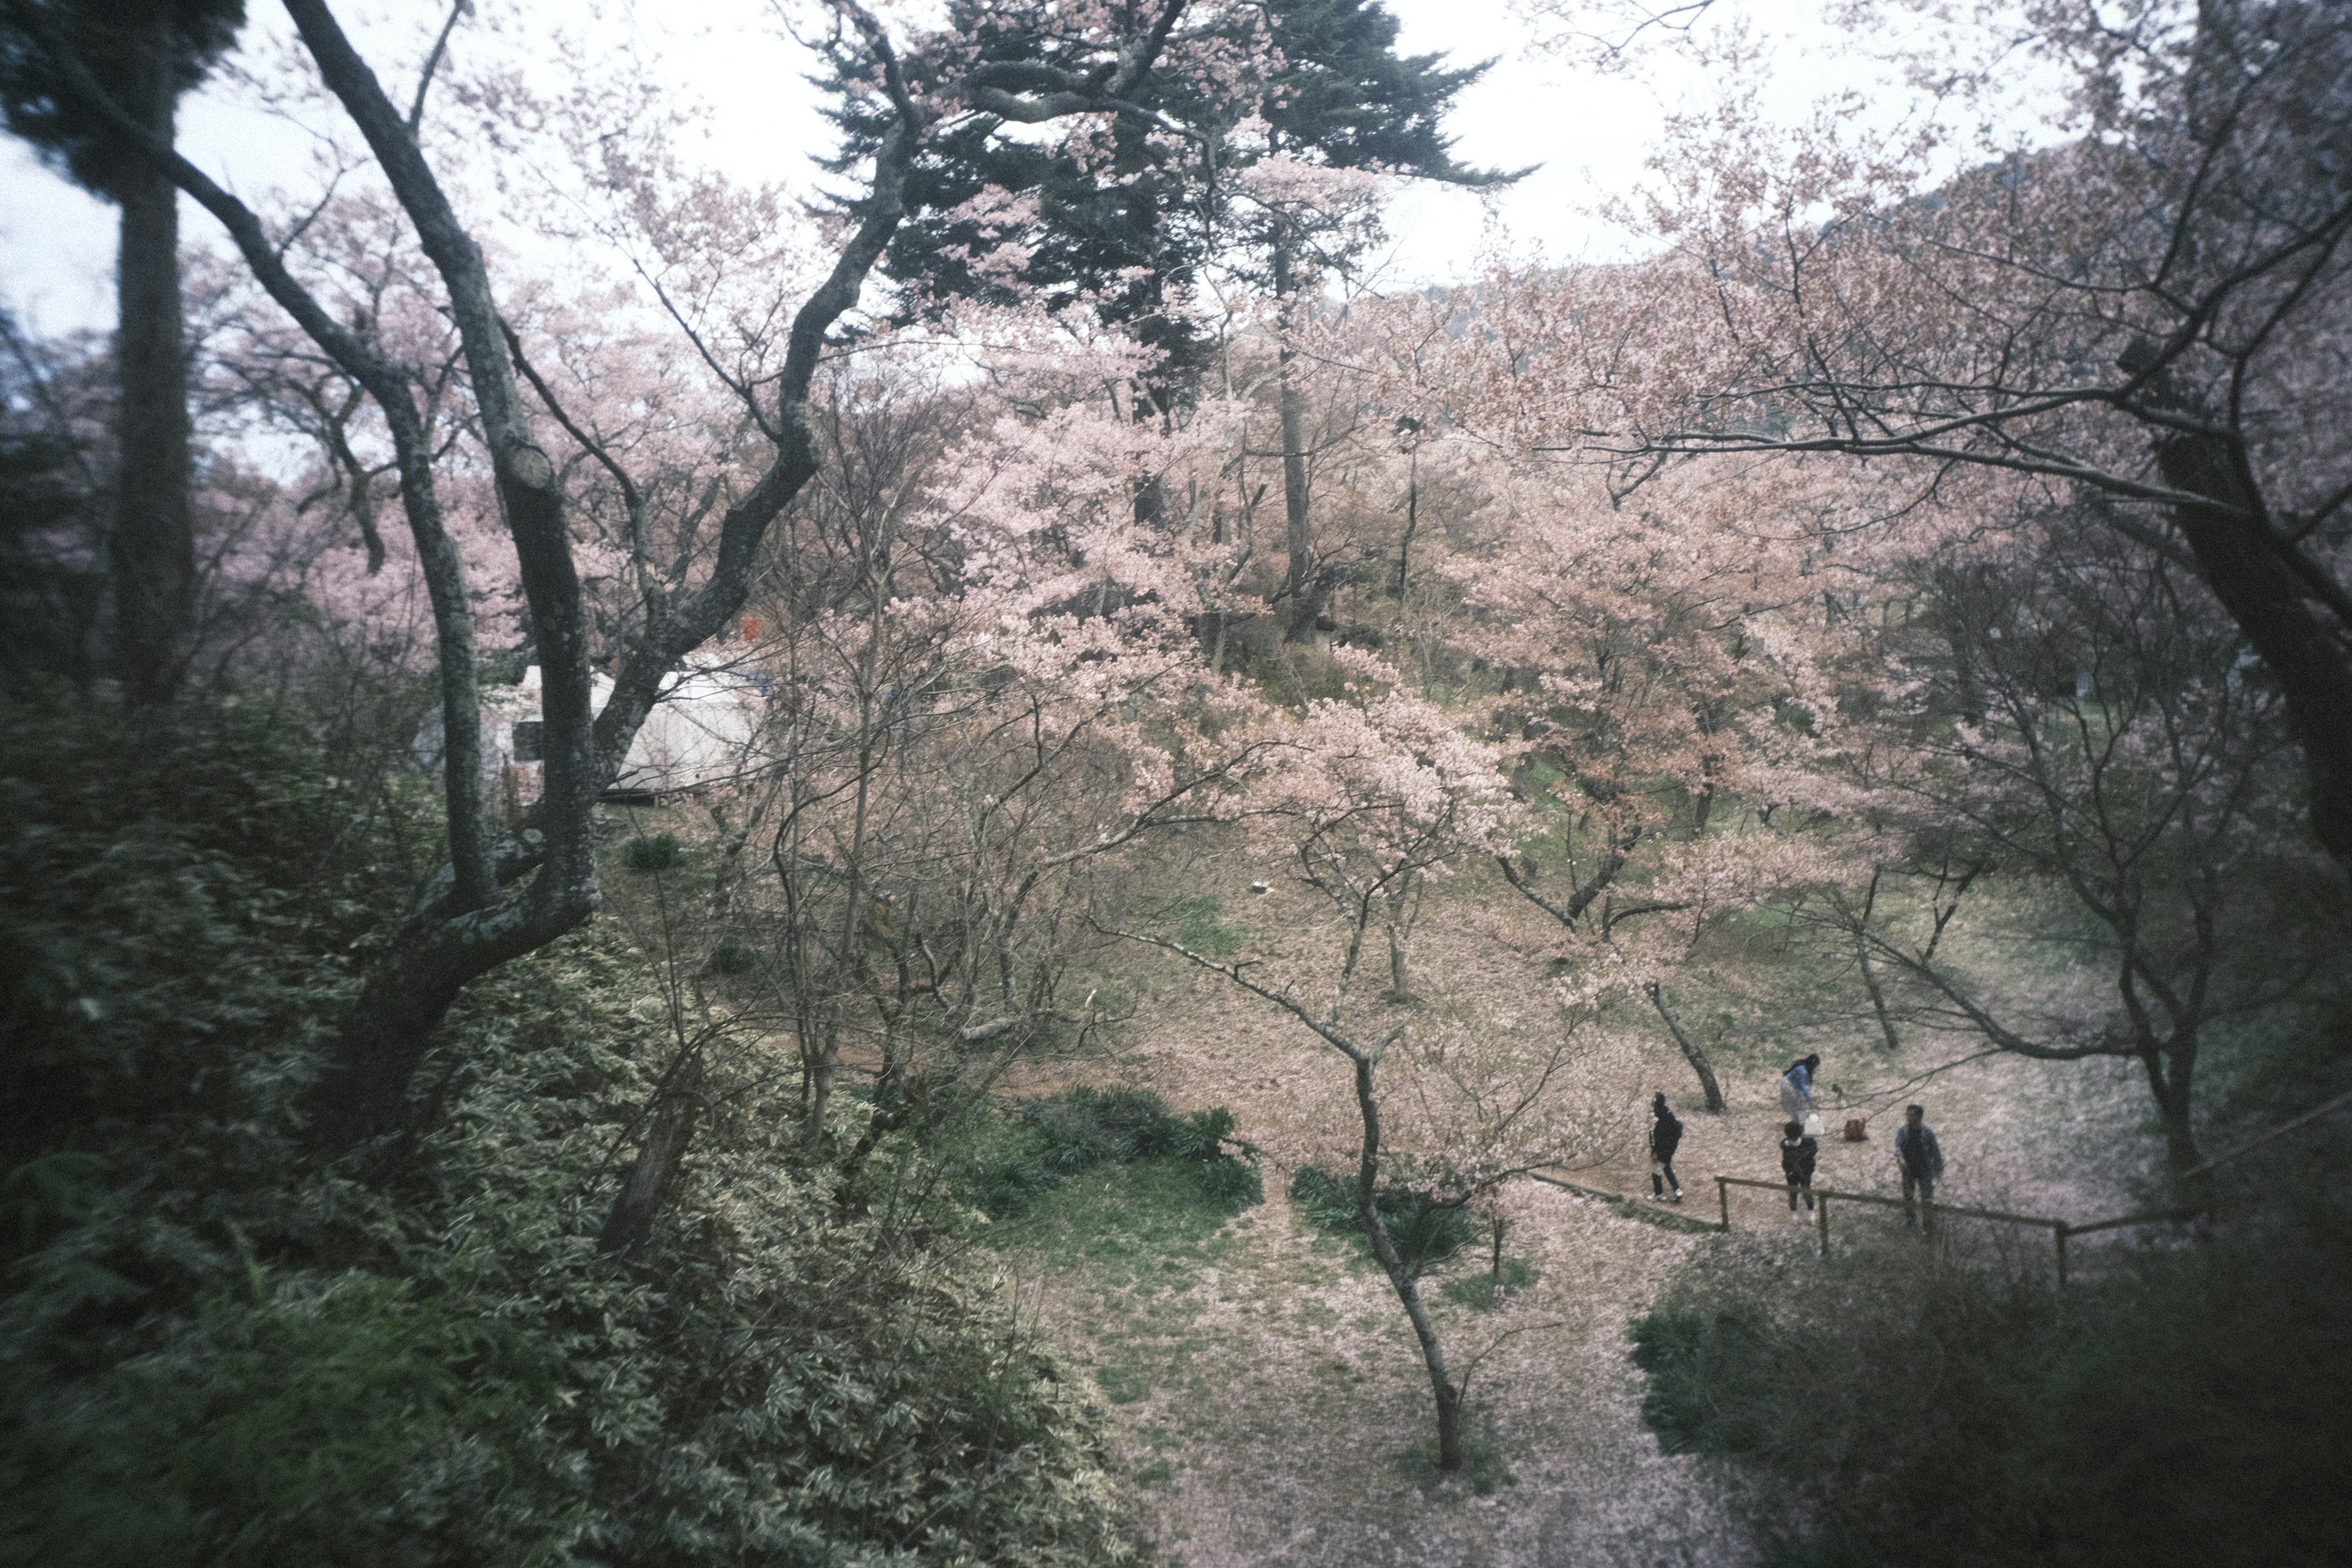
(1856, 1130)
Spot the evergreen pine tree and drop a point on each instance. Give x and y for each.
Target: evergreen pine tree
(142, 54)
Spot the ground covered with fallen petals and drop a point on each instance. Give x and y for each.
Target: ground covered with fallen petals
(1269, 1404)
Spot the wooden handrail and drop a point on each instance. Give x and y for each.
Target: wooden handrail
(1896, 1203)
(2059, 1228)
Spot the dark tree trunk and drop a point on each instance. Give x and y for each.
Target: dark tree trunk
(1432, 1355)
(1400, 967)
(1877, 994)
(1302, 583)
(151, 552)
(1691, 1052)
(820, 1057)
(676, 1108)
(1869, 973)
(365, 1089)
(2247, 573)
(2251, 570)
(2170, 1067)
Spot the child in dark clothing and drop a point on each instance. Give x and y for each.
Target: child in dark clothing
(1665, 1137)
(1797, 1153)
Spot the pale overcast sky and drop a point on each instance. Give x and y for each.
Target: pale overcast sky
(1590, 133)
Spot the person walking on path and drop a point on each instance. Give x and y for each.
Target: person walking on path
(1797, 1088)
(1922, 1159)
(1797, 1155)
(1665, 1137)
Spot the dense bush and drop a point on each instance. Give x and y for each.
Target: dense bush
(162, 893)
(1043, 1142)
(658, 852)
(210, 1352)
(1425, 1229)
(2186, 1408)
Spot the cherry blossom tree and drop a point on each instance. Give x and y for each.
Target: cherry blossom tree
(2141, 303)
(988, 697)
(1381, 792)
(1660, 663)
(505, 895)
(2074, 724)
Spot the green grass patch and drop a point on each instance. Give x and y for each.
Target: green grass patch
(1139, 1235)
(1485, 1469)
(1488, 1289)
(1140, 1228)
(1197, 925)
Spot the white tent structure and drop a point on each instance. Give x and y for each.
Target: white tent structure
(701, 730)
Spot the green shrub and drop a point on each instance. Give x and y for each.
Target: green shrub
(1485, 1291)
(1201, 1135)
(733, 955)
(1044, 1141)
(2184, 1408)
(658, 852)
(1228, 1185)
(1424, 1229)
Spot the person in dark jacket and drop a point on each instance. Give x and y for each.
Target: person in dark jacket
(1665, 1137)
(1922, 1159)
(1797, 1155)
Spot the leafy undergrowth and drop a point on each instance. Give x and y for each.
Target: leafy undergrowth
(214, 1351)
(1424, 1230)
(1009, 1160)
(2183, 1408)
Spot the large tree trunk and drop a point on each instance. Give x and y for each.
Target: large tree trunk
(1691, 1053)
(152, 553)
(1302, 582)
(2241, 559)
(2170, 1069)
(2260, 592)
(675, 1107)
(1432, 1355)
(1400, 966)
(365, 1089)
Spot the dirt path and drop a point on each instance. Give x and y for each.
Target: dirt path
(1276, 1411)
(1269, 1398)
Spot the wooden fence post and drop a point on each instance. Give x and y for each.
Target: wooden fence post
(1722, 1197)
(1821, 1211)
(2059, 1232)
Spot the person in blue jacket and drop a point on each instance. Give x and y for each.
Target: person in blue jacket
(1665, 1137)
(1797, 1088)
